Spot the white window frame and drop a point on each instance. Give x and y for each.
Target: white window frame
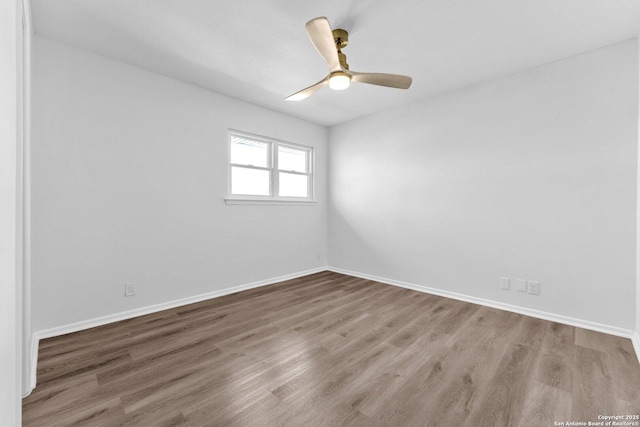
(272, 167)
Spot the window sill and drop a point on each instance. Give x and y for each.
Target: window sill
(281, 202)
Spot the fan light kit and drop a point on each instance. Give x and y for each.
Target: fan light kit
(339, 80)
(329, 44)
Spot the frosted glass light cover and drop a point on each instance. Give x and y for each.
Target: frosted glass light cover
(339, 82)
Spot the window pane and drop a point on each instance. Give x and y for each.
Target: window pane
(293, 185)
(291, 159)
(254, 182)
(248, 152)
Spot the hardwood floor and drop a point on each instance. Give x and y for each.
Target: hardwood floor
(329, 349)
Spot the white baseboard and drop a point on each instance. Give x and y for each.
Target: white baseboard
(580, 323)
(33, 368)
(635, 339)
(104, 320)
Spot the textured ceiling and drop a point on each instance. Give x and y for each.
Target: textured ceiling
(258, 51)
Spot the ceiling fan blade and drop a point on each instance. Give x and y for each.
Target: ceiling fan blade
(381, 79)
(305, 93)
(321, 36)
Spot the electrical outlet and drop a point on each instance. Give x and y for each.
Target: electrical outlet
(521, 285)
(504, 283)
(129, 289)
(533, 287)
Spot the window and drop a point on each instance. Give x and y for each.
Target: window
(264, 169)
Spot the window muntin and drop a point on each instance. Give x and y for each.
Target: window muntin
(267, 169)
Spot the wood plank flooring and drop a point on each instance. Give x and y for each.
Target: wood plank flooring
(330, 349)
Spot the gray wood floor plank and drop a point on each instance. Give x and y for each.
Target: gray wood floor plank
(329, 349)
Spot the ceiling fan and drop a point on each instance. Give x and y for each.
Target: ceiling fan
(329, 44)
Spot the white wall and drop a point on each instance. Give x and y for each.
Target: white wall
(10, 203)
(129, 177)
(529, 176)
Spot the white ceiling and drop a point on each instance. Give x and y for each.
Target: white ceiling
(258, 51)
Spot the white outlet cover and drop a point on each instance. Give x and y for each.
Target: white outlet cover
(533, 287)
(521, 285)
(504, 283)
(129, 289)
